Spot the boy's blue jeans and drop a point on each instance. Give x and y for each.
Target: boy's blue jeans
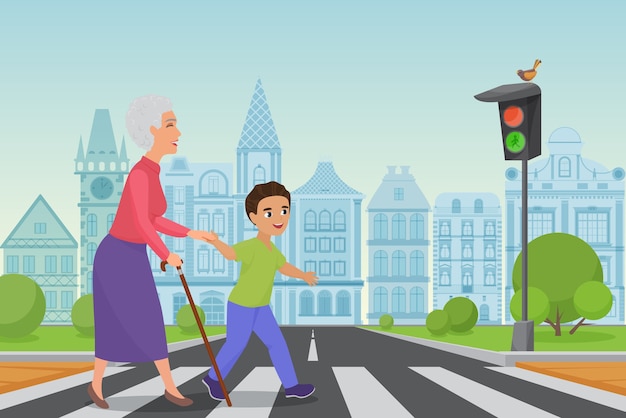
(241, 322)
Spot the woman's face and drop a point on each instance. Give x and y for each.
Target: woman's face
(166, 136)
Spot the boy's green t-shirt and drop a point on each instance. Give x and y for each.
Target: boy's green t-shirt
(256, 277)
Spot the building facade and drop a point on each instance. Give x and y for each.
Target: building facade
(467, 252)
(41, 247)
(571, 194)
(398, 250)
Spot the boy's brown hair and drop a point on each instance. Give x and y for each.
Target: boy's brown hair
(263, 190)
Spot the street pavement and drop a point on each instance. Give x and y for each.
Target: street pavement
(601, 370)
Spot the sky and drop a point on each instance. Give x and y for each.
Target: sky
(365, 84)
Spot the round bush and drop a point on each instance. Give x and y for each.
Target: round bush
(463, 314)
(82, 315)
(438, 322)
(186, 320)
(22, 305)
(385, 321)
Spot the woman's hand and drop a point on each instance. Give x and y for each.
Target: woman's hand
(202, 235)
(174, 260)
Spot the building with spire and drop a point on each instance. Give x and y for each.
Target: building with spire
(102, 170)
(571, 194)
(398, 250)
(41, 247)
(324, 237)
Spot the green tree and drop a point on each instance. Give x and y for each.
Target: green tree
(558, 264)
(82, 315)
(463, 314)
(186, 320)
(538, 305)
(22, 305)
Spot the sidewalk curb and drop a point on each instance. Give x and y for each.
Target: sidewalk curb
(509, 358)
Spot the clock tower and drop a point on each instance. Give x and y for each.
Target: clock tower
(102, 173)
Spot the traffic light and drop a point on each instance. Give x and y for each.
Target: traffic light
(520, 118)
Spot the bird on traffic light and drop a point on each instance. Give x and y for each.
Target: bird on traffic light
(529, 74)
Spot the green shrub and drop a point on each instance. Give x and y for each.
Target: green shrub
(82, 315)
(22, 305)
(463, 314)
(438, 322)
(385, 321)
(186, 320)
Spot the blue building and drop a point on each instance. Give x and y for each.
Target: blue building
(325, 237)
(467, 252)
(571, 194)
(41, 247)
(398, 250)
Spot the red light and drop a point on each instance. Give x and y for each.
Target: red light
(513, 116)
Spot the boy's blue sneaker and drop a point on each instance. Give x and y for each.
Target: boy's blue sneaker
(215, 390)
(303, 390)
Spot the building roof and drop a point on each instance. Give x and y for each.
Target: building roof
(259, 132)
(384, 197)
(101, 141)
(326, 181)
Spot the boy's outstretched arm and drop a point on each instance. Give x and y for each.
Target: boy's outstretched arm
(293, 271)
(227, 251)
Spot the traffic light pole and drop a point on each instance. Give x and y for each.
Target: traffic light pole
(523, 331)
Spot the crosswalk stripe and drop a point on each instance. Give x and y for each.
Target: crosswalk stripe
(365, 396)
(127, 401)
(20, 396)
(312, 351)
(254, 397)
(490, 400)
(598, 396)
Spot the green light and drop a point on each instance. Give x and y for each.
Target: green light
(515, 142)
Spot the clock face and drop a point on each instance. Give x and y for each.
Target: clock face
(101, 188)
(515, 142)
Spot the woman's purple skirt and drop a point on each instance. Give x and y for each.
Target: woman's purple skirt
(127, 312)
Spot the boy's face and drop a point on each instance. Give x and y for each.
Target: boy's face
(272, 215)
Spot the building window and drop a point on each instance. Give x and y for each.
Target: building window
(51, 299)
(179, 301)
(343, 303)
(203, 221)
(179, 244)
(90, 282)
(398, 193)
(310, 221)
(324, 299)
(92, 225)
(218, 223)
(155, 262)
(340, 268)
(380, 226)
(490, 279)
(565, 169)
(490, 228)
(310, 265)
(380, 300)
(444, 228)
(456, 206)
(67, 264)
(340, 221)
(40, 228)
(444, 252)
(398, 226)
(398, 264)
(484, 312)
(417, 226)
(490, 251)
(203, 260)
(467, 251)
(325, 245)
(67, 299)
(213, 183)
(444, 279)
(29, 263)
(468, 229)
(179, 216)
(380, 263)
(219, 263)
(51, 264)
(179, 195)
(110, 219)
(324, 268)
(309, 245)
(340, 245)
(398, 300)
(306, 303)
(13, 264)
(417, 263)
(324, 220)
(468, 282)
(593, 226)
(416, 304)
(259, 174)
(478, 206)
(539, 223)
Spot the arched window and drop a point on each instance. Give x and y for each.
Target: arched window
(398, 226)
(380, 226)
(490, 228)
(417, 263)
(398, 263)
(468, 229)
(490, 279)
(478, 206)
(339, 223)
(310, 221)
(467, 279)
(343, 303)
(417, 226)
(398, 300)
(92, 225)
(91, 253)
(306, 303)
(444, 279)
(444, 252)
(484, 312)
(380, 263)
(467, 251)
(565, 167)
(213, 308)
(324, 299)
(456, 206)
(259, 175)
(324, 220)
(490, 251)
(417, 304)
(444, 228)
(380, 300)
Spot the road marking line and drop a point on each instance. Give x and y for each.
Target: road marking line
(599, 396)
(312, 333)
(127, 401)
(490, 400)
(365, 396)
(312, 351)
(254, 397)
(19, 396)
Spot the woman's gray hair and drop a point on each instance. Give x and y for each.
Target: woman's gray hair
(146, 111)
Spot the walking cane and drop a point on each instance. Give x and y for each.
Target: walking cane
(199, 322)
